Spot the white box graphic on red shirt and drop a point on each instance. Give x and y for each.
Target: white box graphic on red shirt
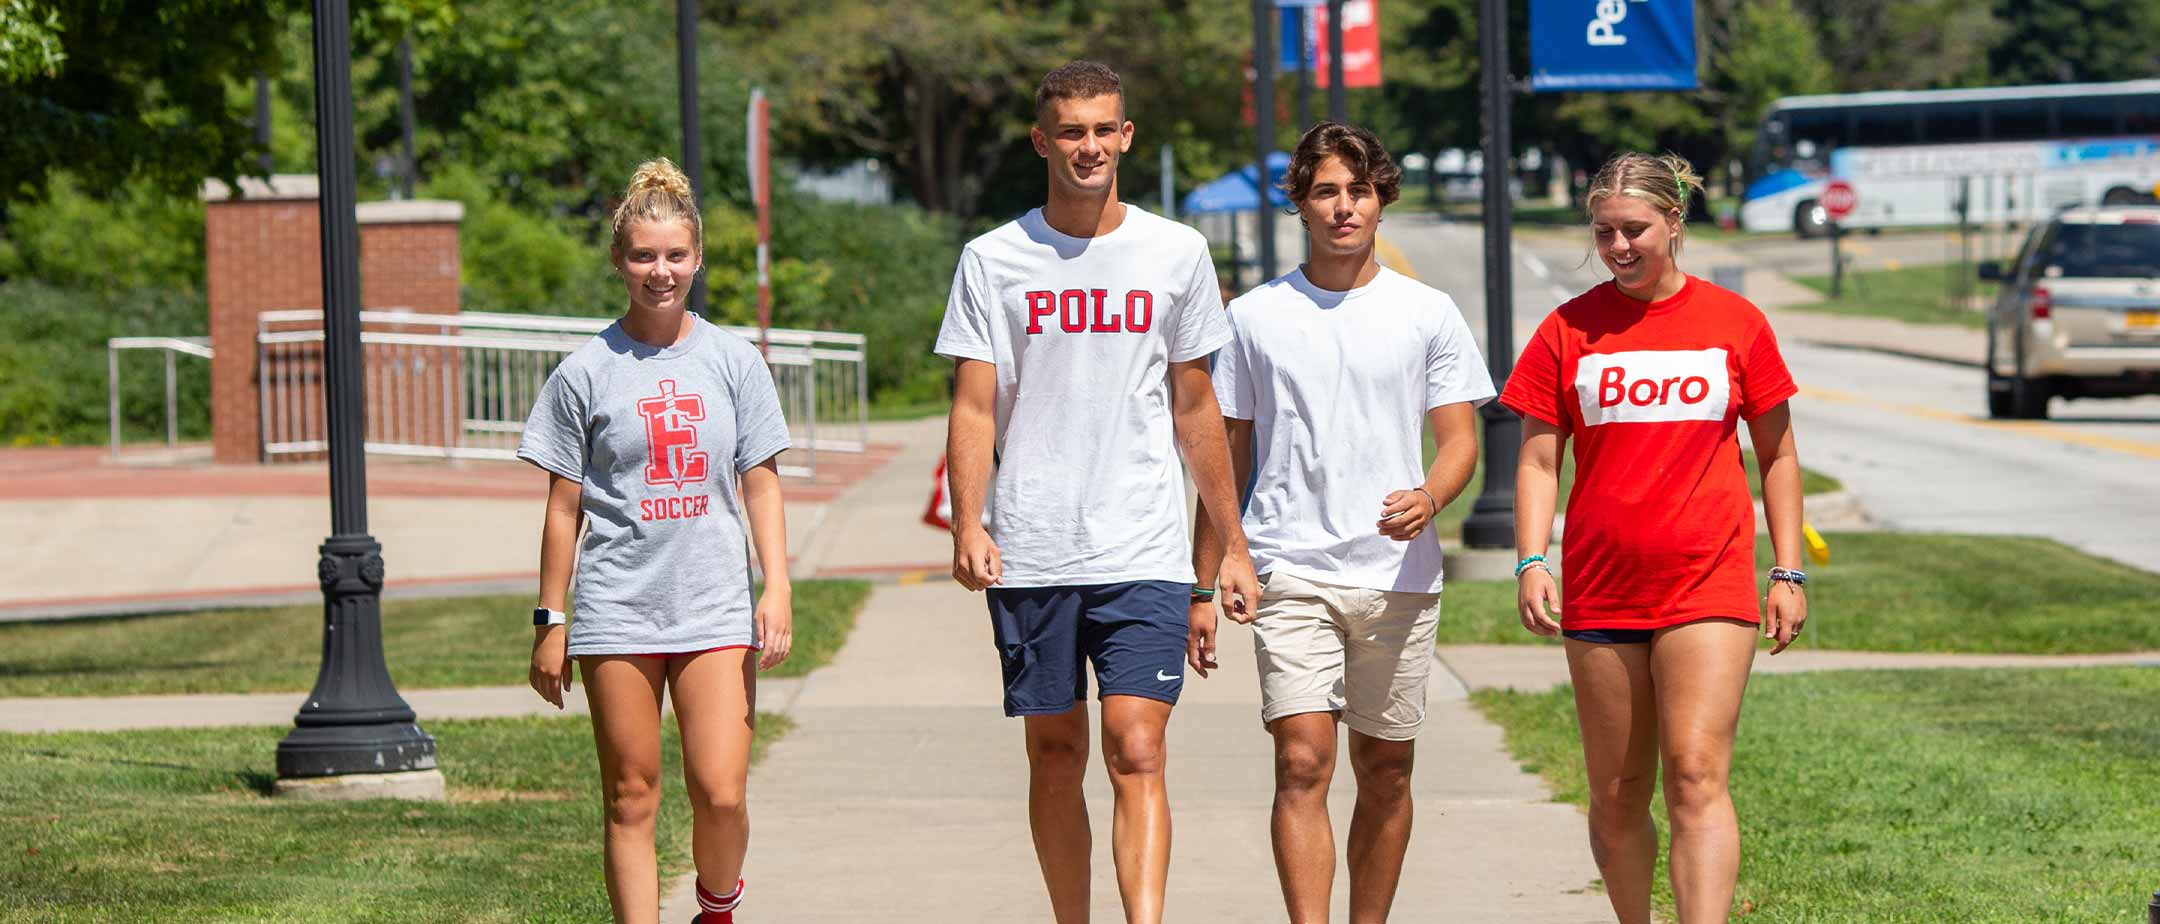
(1653, 386)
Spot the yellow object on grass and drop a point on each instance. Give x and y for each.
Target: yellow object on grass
(1818, 551)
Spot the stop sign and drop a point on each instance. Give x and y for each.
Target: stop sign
(1839, 200)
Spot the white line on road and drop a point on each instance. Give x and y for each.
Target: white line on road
(1537, 266)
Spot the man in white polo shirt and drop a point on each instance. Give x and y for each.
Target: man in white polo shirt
(1331, 374)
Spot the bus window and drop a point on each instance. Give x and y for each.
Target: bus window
(1884, 125)
(2088, 118)
(1951, 123)
(1812, 134)
(2141, 114)
(2019, 120)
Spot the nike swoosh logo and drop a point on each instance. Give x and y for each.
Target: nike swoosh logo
(1166, 678)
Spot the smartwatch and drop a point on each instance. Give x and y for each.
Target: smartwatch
(542, 616)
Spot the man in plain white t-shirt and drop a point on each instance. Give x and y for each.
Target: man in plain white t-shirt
(1081, 334)
(1330, 375)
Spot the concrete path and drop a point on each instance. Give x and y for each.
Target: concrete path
(903, 773)
(1543, 667)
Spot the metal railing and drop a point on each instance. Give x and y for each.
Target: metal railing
(461, 385)
(192, 346)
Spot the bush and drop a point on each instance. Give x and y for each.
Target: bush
(519, 261)
(889, 270)
(52, 363)
(139, 239)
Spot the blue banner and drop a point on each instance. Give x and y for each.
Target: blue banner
(1294, 33)
(1580, 45)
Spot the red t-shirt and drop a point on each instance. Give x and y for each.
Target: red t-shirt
(1660, 528)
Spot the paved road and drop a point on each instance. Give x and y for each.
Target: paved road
(1910, 437)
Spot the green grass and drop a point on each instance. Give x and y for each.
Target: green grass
(1919, 593)
(176, 825)
(1903, 797)
(1449, 521)
(445, 642)
(1920, 295)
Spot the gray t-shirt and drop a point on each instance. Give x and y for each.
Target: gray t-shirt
(657, 435)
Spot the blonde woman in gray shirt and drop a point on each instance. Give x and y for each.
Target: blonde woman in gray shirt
(661, 433)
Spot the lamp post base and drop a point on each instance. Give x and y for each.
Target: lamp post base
(409, 786)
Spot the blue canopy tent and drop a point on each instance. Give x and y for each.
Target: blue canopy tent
(1235, 192)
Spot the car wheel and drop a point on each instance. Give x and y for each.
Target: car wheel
(2029, 398)
(1809, 221)
(2122, 195)
(1998, 398)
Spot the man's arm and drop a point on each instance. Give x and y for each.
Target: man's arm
(970, 432)
(1200, 433)
(1208, 544)
(1404, 514)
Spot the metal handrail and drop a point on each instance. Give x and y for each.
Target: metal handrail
(193, 346)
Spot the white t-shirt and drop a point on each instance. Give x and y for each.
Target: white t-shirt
(1090, 488)
(1337, 385)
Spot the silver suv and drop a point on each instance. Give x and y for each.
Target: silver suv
(2079, 312)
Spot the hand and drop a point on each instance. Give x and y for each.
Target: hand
(976, 562)
(775, 620)
(1537, 602)
(1237, 589)
(550, 675)
(1785, 613)
(1200, 638)
(1404, 514)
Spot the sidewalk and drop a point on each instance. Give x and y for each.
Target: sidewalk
(118, 537)
(903, 772)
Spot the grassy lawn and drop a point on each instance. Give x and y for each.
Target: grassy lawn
(444, 642)
(1902, 797)
(1919, 294)
(1919, 592)
(1449, 522)
(176, 825)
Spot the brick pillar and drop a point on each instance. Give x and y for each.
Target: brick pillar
(265, 254)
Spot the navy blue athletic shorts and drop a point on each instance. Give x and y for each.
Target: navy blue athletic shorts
(1132, 632)
(1611, 636)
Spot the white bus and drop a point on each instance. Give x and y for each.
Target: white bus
(2028, 151)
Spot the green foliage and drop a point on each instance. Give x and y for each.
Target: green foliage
(945, 93)
(429, 643)
(29, 42)
(53, 367)
(179, 824)
(140, 237)
(2087, 40)
(885, 272)
(137, 89)
(1916, 294)
(517, 260)
(1909, 44)
(1885, 797)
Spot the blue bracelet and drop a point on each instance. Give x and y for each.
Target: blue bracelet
(1531, 562)
(1793, 576)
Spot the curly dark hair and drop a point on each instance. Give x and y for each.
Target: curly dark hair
(1359, 149)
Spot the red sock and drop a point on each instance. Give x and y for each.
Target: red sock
(718, 909)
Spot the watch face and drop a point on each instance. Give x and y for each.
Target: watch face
(540, 616)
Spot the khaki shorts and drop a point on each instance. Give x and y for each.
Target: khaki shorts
(1363, 654)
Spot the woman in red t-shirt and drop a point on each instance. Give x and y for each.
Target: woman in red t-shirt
(1650, 375)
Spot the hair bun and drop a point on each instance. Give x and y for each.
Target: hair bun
(660, 173)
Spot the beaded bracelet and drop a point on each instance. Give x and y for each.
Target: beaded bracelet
(1793, 576)
(1534, 561)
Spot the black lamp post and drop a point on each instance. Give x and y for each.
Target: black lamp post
(354, 721)
(1264, 52)
(1338, 96)
(1491, 524)
(693, 135)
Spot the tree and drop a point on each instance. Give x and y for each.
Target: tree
(135, 88)
(2087, 40)
(1905, 44)
(944, 95)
